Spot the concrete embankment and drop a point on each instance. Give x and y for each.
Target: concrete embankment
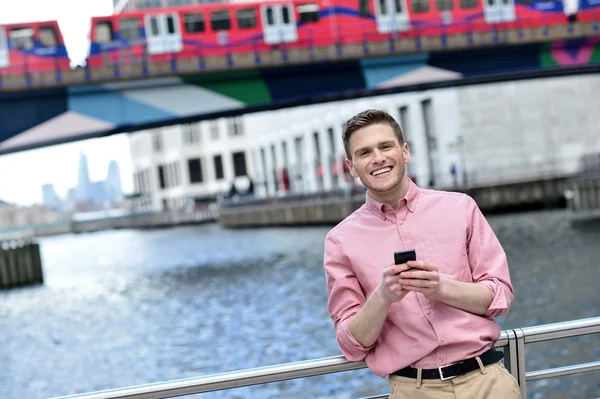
(514, 196)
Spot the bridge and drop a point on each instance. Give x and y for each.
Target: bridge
(52, 107)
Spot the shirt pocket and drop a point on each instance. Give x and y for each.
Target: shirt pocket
(448, 254)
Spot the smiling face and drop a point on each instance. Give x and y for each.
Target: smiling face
(379, 160)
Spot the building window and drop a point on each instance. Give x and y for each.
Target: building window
(246, 18)
(239, 164)
(195, 170)
(179, 2)
(161, 177)
(214, 130)
(157, 142)
(194, 23)
(404, 126)
(191, 134)
(218, 161)
(235, 126)
(148, 3)
(175, 171)
(308, 12)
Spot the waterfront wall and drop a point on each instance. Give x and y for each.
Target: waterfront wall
(20, 264)
(541, 193)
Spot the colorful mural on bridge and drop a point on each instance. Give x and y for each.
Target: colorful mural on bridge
(67, 114)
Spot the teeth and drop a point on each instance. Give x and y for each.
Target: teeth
(377, 172)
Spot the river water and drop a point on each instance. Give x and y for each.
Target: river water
(121, 308)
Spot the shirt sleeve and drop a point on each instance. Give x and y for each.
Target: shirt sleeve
(489, 265)
(346, 297)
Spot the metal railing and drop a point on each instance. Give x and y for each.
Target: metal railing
(512, 341)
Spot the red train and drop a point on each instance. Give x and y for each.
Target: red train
(220, 28)
(239, 27)
(32, 47)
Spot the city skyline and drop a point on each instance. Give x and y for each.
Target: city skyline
(23, 174)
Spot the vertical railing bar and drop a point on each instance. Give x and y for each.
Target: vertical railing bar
(521, 361)
(510, 355)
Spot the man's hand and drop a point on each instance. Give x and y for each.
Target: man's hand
(422, 277)
(389, 288)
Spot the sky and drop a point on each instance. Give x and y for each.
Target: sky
(23, 174)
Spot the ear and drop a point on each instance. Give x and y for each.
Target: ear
(350, 167)
(405, 154)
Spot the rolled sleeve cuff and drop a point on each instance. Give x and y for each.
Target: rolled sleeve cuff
(351, 348)
(499, 305)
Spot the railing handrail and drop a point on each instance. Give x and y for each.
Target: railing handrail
(328, 365)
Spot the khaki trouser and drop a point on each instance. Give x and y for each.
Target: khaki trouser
(490, 382)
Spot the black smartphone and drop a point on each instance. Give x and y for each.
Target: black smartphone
(404, 256)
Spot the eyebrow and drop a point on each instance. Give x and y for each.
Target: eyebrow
(378, 145)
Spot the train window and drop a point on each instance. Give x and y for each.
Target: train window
(419, 6)
(398, 6)
(170, 25)
(246, 18)
(104, 32)
(48, 36)
(219, 20)
(444, 5)
(129, 29)
(467, 4)
(364, 8)
(194, 23)
(154, 30)
(383, 7)
(21, 38)
(308, 12)
(285, 13)
(270, 19)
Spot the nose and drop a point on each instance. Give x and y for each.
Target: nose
(378, 157)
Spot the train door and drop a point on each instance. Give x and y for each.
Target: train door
(4, 55)
(163, 34)
(496, 11)
(279, 23)
(391, 16)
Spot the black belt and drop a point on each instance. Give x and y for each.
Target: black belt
(453, 370)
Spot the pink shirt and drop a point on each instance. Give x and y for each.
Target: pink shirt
(446, 229)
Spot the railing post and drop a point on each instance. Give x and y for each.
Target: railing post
(522, 380)
(510, 355)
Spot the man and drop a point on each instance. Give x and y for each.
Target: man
(427, 324)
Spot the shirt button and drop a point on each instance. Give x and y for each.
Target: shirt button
(400, 222)
(428, 312)
(441, 359)
(443, 340)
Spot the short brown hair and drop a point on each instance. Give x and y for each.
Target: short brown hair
(367, 118)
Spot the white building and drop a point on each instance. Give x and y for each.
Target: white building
(479, 134)
(178, 166)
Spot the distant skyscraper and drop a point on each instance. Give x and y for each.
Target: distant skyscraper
(113, 188)
(83, 180)
(49, 197)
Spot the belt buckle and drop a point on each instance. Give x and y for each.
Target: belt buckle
(442, 377)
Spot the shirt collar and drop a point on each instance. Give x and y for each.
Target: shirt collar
(411, 198)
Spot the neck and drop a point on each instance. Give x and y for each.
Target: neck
(393, 196)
